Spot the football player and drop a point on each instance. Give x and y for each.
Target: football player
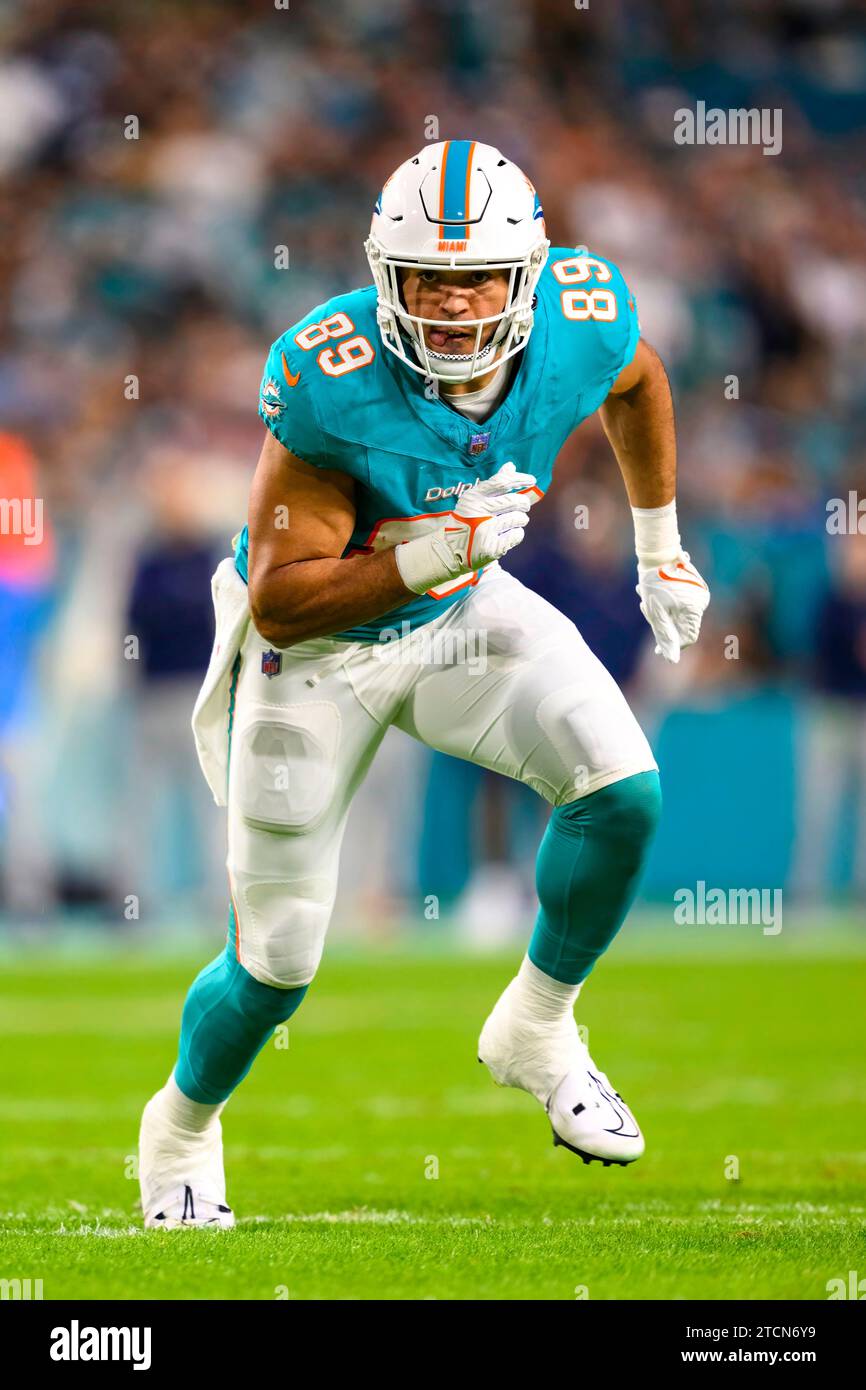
(411, 426)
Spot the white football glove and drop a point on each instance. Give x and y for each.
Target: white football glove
(673, 600)
(488, 521)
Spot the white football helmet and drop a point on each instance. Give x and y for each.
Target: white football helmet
(458, 205)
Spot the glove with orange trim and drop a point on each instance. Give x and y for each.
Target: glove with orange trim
(673, 599)
(488, 521)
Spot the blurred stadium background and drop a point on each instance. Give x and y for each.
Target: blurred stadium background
(151, 260)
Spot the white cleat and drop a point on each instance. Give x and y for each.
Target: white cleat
(184, 1208)
(548, 1060)
(589, 1117)
(181, 1173)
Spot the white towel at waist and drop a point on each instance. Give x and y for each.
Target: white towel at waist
(210, 717)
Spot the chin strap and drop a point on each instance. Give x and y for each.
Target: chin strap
(460, 360)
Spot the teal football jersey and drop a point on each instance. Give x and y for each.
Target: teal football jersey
(334, 396)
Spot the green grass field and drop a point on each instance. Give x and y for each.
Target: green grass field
(332, 1143)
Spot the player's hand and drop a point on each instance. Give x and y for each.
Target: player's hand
(489, 520)
(491, 517)
(673, 600)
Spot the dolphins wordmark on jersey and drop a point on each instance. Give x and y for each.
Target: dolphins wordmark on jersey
(334, 397)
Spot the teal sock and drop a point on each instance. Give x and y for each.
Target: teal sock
(587, 873)
(227, 1019)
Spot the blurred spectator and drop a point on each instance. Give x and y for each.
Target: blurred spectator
(173, 840)
(833, 765)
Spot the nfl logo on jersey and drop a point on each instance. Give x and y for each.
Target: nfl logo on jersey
(478, 443)
(271, 663)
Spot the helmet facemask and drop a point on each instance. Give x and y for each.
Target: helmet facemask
(403, 333)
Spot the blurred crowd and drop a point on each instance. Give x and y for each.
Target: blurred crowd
(155, 157)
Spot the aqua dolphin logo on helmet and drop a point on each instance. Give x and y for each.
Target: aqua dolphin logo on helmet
(457, 205)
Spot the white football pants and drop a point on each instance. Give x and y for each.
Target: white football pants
(502, 679)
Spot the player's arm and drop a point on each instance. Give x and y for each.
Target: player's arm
(638, 419)
(299, 586)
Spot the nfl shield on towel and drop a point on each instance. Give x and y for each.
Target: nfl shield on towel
(271, 663)
(478, 443)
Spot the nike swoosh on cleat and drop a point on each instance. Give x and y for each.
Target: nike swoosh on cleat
(623, 1119)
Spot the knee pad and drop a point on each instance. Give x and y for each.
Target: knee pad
(282, 927)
